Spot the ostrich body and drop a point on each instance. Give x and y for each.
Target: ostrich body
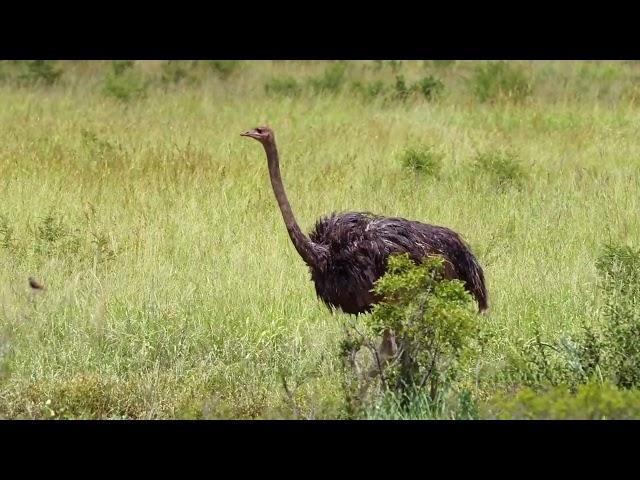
(347, 252)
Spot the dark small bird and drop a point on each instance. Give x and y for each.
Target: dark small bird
(33, 283)
(348, 252)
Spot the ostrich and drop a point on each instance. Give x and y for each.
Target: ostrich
(347, 252)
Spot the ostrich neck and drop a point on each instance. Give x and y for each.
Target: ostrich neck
(303, 245)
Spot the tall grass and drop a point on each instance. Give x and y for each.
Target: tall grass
(172, 289)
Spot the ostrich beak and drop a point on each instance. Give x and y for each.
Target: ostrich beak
(246, 134)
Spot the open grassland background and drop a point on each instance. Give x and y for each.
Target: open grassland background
(172, 289)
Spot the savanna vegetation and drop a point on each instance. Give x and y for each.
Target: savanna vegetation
(171, 288)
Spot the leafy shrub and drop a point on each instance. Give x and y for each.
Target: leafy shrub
(430, 87)
(402, 91)
(54, 236)
(611, 352)
(583, 354)
(591, 401)
(369, 90)
(40, 71)
(431, 321)
(571, 361)
(331, 80)
(426, 160)
(497, 80)
(123, 82)
(51, 229)
(285, 86)
(176, 71)
(501, 166)
(223, 68)
(619, 271)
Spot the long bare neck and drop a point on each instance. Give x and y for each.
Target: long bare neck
(303, 245)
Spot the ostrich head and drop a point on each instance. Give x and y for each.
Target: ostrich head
(262, 134)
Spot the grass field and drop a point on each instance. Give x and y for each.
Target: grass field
(172, 288)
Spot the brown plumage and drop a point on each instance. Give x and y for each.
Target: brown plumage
(33, 283)
(347, 252)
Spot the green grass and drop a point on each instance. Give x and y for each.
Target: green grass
(172, 289)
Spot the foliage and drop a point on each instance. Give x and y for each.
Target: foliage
(124, 82)
(591, 401)
(500, 80)
(426, 160)
(285, 86)
(502, 167)
(432, 322)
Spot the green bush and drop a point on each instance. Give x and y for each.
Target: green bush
(223, 68)
(430, 87)
(369, 90)
(402, 91)
(432, 318)
(55, 237)
(432, 321)
(176, 71)
(426, 160)
(30, 72)
(619, 270)
(40, 71)
(500, 80)
(591, 401)
(571, 361)
(619, 273)
(502, 167)
(124, 83)
(285, 86)
(610, 352)
(331, 80)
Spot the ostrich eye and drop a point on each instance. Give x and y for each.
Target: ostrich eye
(259, 130)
